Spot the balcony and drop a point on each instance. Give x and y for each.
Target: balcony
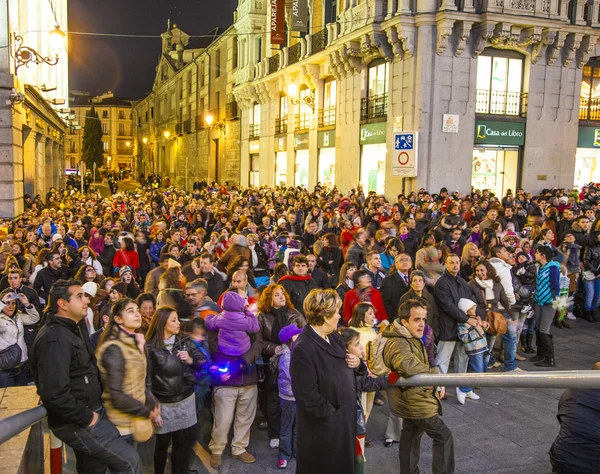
(589, 109)
(501, 103)
(187, 126)
(280, 126)
(273, 64)
(327, 117)
(318, 41)
(374, 107)
(254, 131)
(302, 122)
(294, 53)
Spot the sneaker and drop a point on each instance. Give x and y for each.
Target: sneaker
(378, 402)
(570, 315)
(472, 395)
(388, 442)
(515, 370)
(274, 443)
(282, 464)
(495, 365)
(245, 457)
(462, 396)
(215, 460)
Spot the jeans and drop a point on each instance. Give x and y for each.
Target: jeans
(274, 414)
(592, 294)
(17, 377)
(544, 315)
(410, 445)
(476, 366)
(394, 424)
(183, 442)
(288, 431)
(509, 341)
(100, 447)
(444, 353)
(489, 357)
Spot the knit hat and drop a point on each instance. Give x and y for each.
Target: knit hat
(121, 287)
(288, 332)
(281, 221)
(56, 237)
(521, 254)
(124, 269)
(465, 304)
(90, 288)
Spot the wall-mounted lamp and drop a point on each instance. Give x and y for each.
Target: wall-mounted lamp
(24, 54)
(308, 100)
(209, 119)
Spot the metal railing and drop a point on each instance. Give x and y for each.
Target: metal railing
(374, 107)
(318, 41)
(254, 131)
(589, 109)
(273, 63)
(294, 53)
(302, 122)
(500, 103)
(280, 125)
(327, 116)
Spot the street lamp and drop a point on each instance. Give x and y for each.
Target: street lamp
(24, 55)
(308, 100)
(167, 134)
(144, 140)
(209, 120)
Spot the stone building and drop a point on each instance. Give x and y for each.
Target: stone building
(187, 127)
(32, 132)
(117, 137)
(490, 87)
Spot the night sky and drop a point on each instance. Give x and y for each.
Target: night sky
(127, 65)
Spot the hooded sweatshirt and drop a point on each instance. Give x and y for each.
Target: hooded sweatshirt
(234, 325)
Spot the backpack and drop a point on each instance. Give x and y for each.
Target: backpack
(375, 356)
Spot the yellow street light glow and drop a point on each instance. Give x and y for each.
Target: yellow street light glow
(292, 90)
(57, 39)
(127, 144)
(209, 120)
(145, 140)
(167, 134)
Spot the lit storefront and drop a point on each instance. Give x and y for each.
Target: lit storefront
(497, 155)
(280, 160)
(373, 156)
(587, 158)
(326, 166)
(302, 159)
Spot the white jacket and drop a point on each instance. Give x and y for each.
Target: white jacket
(503, 270)
(12, 331)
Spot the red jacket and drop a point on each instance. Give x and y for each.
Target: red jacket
(351, 300)
(126, 257)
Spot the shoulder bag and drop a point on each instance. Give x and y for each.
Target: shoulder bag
(11, 356)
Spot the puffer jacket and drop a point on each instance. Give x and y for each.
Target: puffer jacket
(170, 379)
(406, 355)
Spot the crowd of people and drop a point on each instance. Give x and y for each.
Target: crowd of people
(167, 313)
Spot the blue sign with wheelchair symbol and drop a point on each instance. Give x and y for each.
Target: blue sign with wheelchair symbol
(404, 141)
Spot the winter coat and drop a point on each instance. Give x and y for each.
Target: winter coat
(12, 330)
(216, 284)
(448, 290)
(356, 255)
(233, 325)
(432, 310)
(411, 244)
(392, 289)
(262, 266)
(46, 277)
(499, 296)
(352, 298)
(170, 378)
(284, 379)
(128, 258)
(106, 259)
(330, 254)
(64, 369)
(270, 248)
(547, 284)
(320, 278)
(376, 278)
(270, 325)
(298, 287)
(152, 279)
(503, 270)
(571, 256)
(325, 392)
(231, 253)
(591, 259)
(406, 355)
(174, 297)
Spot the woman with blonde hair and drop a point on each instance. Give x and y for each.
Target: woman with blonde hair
(469, 258)
(170, 292)
(275, 311)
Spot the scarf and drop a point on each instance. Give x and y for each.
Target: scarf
(169, 343)
(279, 322)
(488, 286)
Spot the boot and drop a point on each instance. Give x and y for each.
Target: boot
(565, 324)
(540, 348)
(588, 315)
(529, 345)
(595, 315)
(549, 352)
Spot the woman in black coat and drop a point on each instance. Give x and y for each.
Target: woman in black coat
(324, 388)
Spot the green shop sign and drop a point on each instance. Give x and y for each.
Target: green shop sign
(488, 132)
(301, 141)
(326, 139)
(588, 137)
(373, 133)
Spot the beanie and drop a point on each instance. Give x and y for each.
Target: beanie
(124, 269)
(288, 332)
(465, 304)
(90, 288)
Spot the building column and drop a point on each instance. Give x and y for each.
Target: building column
(29, 167)
(11, 159)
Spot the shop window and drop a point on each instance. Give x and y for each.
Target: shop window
(589, 104)
(500, 83)
(375, 104)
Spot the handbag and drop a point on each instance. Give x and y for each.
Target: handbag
(497, 323)
(142, 429)
(589, 275)
(361, 425)
(11, 356)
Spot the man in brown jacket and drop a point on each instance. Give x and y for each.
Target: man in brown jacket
(419, 407)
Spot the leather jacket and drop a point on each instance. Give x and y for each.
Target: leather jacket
(171, 379)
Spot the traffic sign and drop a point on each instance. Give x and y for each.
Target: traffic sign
(404, 159)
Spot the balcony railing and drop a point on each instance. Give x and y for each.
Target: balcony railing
(327, 117)
(294, 53)
(589, 109)
(319, 41)
(273, 64)
(302, 122)
(187, 126)
(254, 131)
(501, 103)
(280, 126)
(374, 107)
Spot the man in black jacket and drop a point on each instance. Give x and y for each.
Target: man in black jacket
(299, 284)
(64, 369)
(318, 275)
(449, 289)
(395, 285)
(50, 274)
(214, 278)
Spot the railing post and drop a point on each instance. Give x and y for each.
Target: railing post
(56, 452)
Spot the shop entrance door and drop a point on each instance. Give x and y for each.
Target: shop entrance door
(496, 169)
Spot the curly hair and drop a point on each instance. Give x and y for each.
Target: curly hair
(266, 298)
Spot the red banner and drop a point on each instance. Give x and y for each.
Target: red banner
(277, 21)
